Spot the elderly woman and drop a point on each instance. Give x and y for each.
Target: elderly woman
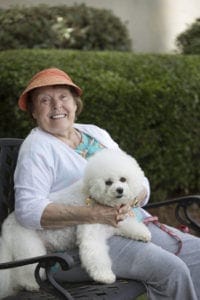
(54, 155)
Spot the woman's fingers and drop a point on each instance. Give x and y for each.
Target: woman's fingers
(123, 211)
(111, 215)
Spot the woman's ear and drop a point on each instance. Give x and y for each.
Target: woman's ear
(34, 115)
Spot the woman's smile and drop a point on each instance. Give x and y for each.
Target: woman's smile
(58, 116)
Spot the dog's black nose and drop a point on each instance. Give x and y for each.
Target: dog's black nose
(119, 190)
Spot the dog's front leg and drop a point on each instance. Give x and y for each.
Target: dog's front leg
(133, 229)
(93, 251)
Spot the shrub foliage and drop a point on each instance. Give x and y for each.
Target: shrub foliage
(75, 27)
(189, 41)
(148, 103)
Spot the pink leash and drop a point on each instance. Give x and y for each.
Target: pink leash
(154, 219)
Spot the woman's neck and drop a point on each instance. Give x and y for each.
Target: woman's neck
(72, 138)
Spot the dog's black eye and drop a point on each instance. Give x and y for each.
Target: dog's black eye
(108, 182)
(122, 179)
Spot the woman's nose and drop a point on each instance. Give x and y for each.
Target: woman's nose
(56, 103)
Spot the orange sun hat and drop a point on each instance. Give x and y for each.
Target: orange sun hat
(47, 77)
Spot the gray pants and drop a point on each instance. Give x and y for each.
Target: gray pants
(165, 275)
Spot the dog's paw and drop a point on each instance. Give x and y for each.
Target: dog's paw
(145, 237)
(31, 286)
(107, 277)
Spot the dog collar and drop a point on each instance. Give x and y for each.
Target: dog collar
(89, 201)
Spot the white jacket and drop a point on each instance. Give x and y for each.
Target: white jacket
(46, 164)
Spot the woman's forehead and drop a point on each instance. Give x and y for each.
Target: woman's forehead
(49, 89)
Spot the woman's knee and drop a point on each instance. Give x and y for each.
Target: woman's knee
(164, 264)
(149, 263)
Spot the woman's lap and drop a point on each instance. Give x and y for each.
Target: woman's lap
(152, 263)
(148, 259)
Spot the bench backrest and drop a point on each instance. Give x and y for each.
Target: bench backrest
(9, 148)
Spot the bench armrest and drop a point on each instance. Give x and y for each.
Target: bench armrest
(182, 214)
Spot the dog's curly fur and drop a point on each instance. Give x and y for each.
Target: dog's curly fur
(111, 178)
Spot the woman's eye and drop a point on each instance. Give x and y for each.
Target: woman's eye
(108, 182)
(123, 179)
(45, 100)
(64, 97)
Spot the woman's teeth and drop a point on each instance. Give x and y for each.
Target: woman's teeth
(60, 116)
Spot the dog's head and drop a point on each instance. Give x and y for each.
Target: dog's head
(112, 177)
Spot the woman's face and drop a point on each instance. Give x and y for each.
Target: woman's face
(54, 109)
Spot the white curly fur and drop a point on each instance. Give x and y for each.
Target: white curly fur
(111, 178)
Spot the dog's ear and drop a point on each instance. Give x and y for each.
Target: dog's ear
(97, 189)
(93, 188)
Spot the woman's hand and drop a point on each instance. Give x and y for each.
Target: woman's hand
(59, 215)
(109, 215)
(140, 198)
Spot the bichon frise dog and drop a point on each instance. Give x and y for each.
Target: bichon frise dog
(111, 178)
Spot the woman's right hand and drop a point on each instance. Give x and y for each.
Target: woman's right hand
(57, 215)
(109, 215)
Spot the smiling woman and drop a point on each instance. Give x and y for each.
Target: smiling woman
(54, 156)
(53, 101)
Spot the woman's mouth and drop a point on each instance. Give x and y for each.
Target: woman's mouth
(58, 116)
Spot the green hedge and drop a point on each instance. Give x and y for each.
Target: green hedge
(149, 104)
(62, 27)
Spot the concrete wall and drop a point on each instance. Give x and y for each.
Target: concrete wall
(153, 24)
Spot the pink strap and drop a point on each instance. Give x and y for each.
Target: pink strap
(154, 219)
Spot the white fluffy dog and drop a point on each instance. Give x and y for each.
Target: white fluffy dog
(111, 178)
